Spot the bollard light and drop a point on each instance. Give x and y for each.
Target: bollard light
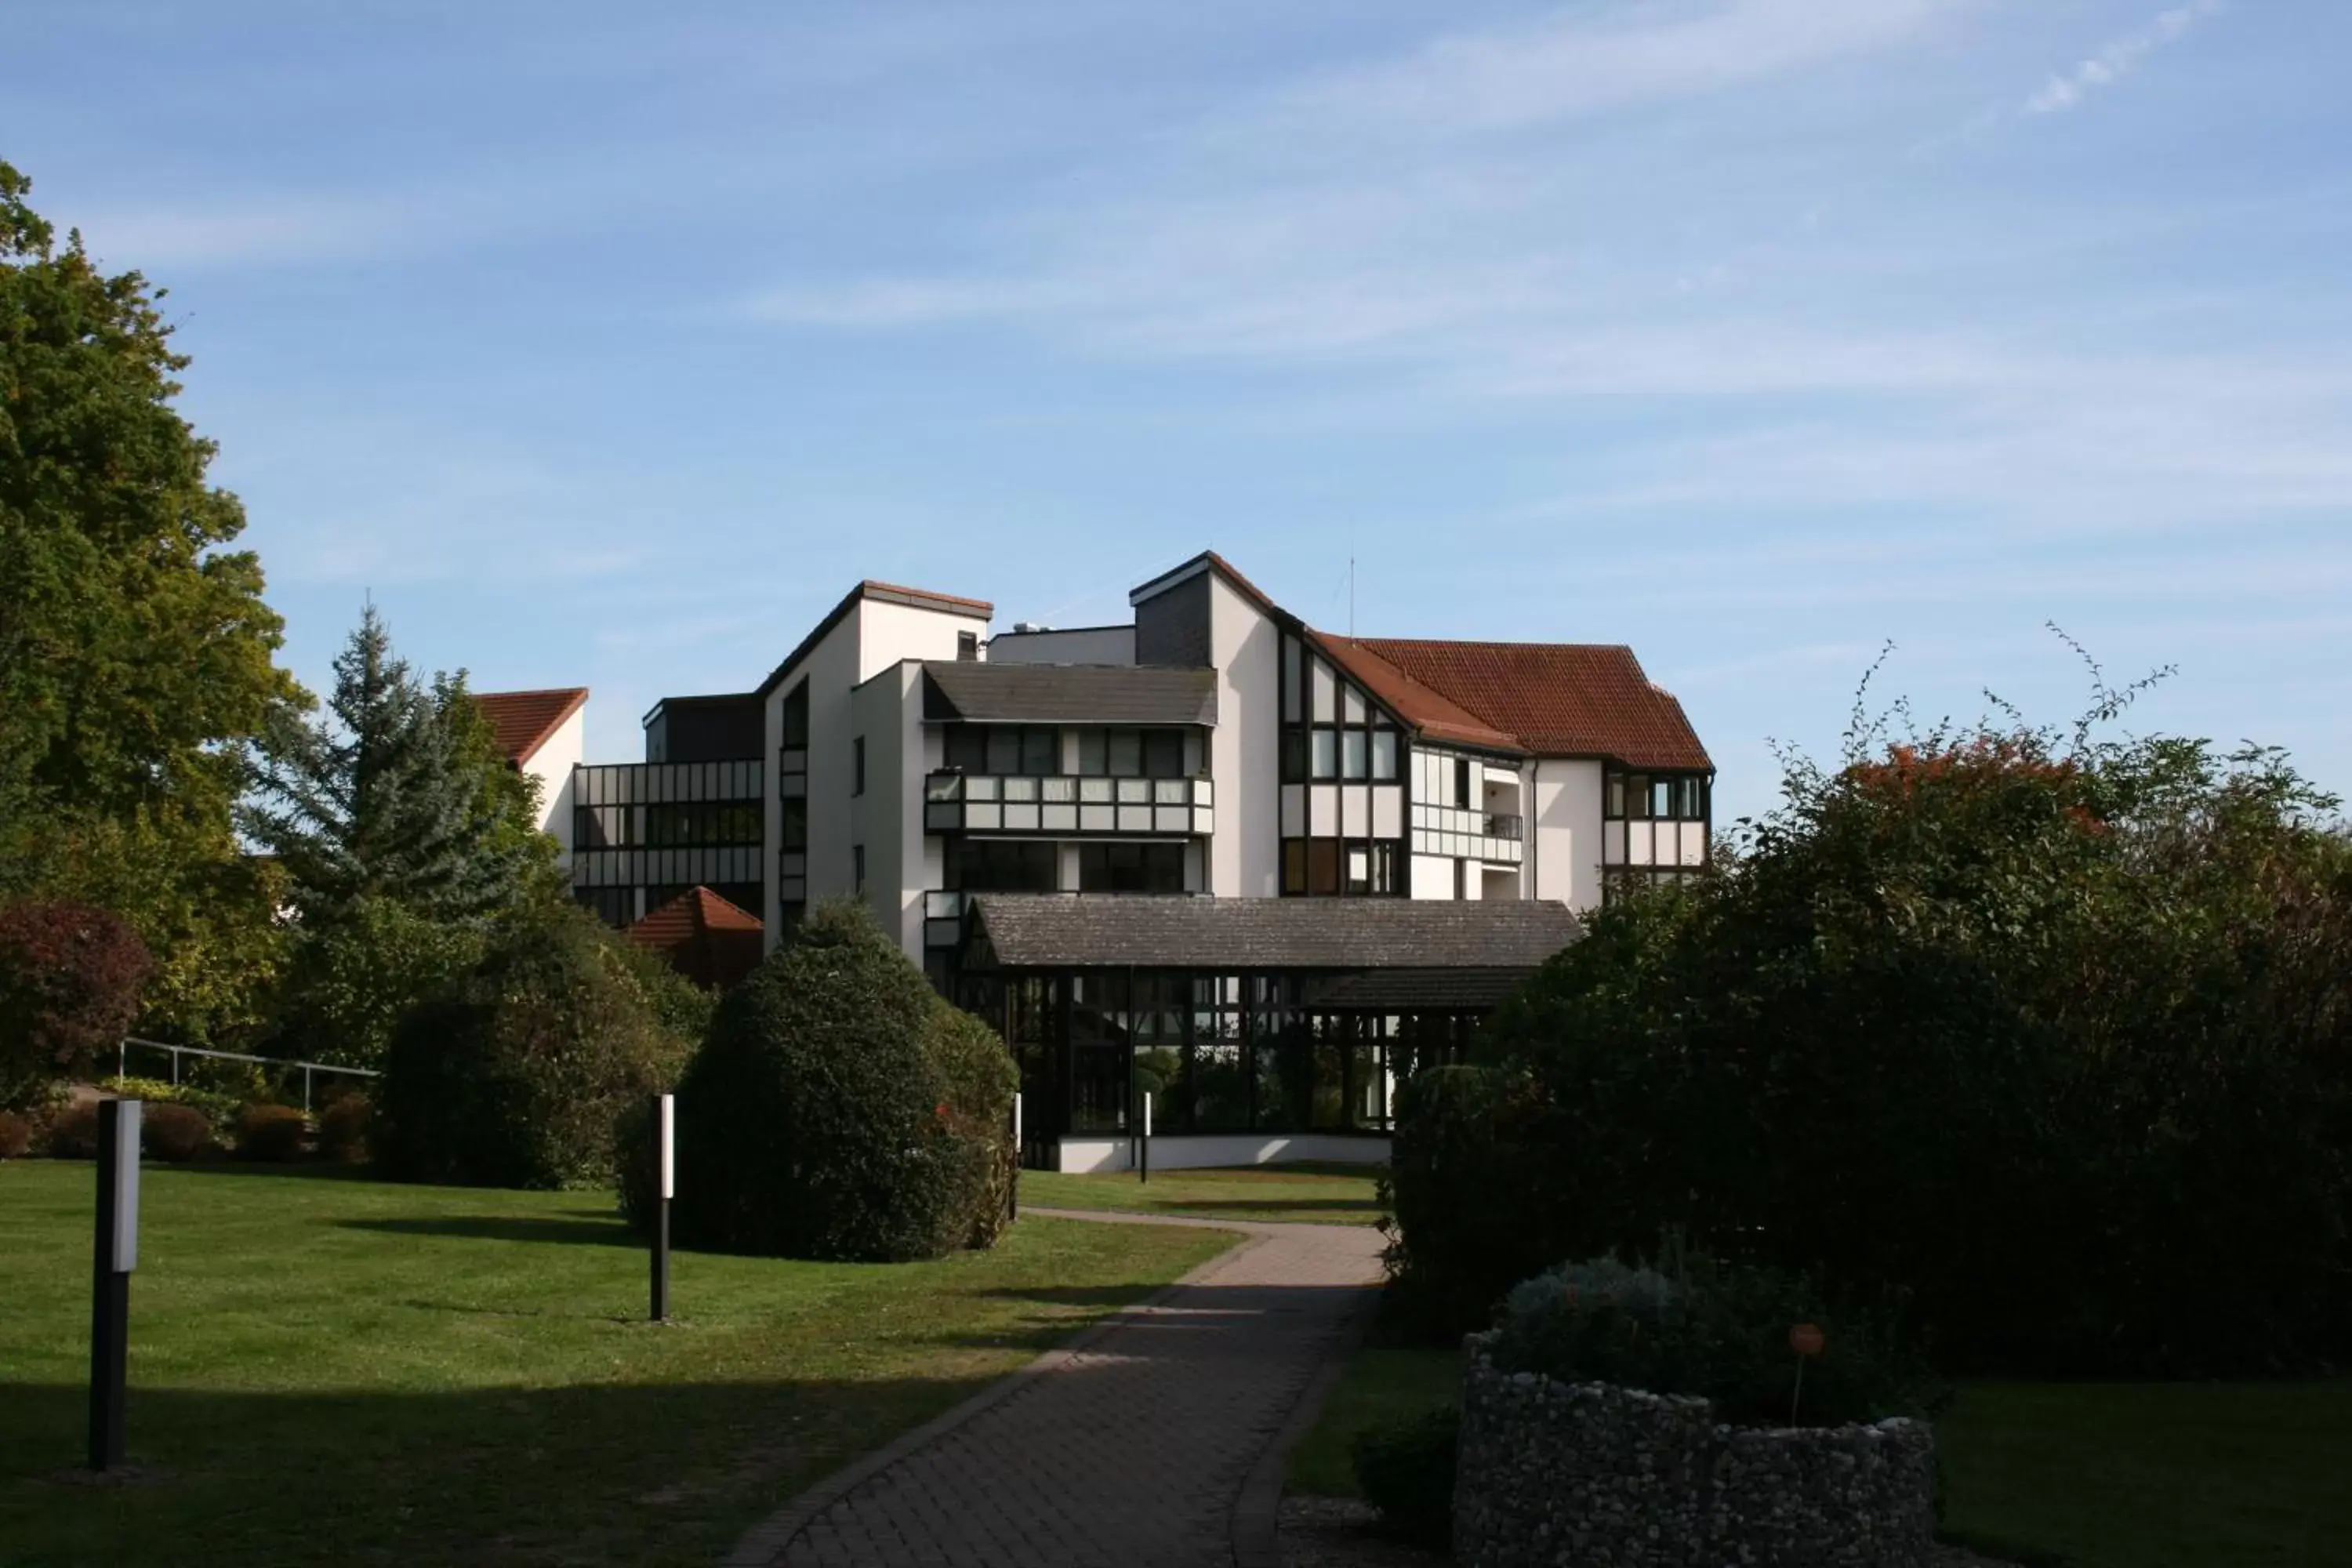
(114, 1255)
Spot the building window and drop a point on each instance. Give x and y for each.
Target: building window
(792, 830)
(1131, 753)
(796, 716)
(1019, 749)
(967, 647)
(857, 869)
(1131, 869)
(1002, 866)
(857, 765)
(1654, 796)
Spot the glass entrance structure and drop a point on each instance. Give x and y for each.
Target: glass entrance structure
(1235, 1042)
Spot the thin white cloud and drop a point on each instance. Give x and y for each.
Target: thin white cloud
(2118, 59)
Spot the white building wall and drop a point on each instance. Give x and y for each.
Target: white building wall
(1433, 876)
(551, 765)
(888, 819)
(1564, 833)
(1078, 645)
(1244, 853)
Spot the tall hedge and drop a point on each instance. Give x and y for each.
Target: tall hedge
(838, 1109)
(518, 1076)
(2053, 1037)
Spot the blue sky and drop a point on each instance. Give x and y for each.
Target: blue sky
(609, 345)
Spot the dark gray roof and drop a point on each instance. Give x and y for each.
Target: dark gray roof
(1044, 931)
(1068, 693)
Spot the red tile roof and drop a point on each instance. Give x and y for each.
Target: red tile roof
(1558, 700)
(1431, 711)
(524, 720)
(705, 938)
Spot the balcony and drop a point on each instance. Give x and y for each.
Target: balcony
(1496, 838)
(1501, 826)
(1066, 805)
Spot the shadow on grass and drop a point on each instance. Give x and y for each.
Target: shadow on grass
(1244, 1200)
(585, 1229)
(532, 1476)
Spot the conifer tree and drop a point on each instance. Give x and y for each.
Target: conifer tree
(389, 795)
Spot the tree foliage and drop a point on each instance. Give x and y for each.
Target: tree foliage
(2053, 1032)
(519, 1075)
(135, 650)
(395, 793)
(70, 983)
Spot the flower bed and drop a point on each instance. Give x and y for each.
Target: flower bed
(1597, 1475)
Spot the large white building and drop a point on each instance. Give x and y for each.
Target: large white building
(1254, 870)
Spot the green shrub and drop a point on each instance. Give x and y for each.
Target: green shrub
(978, 1081)
(175, 1132)
(220, 1109)
(1984, 1008)
(1463, 1135)
(1405, 1469)
(353, 977)
(1715, 1330)
(73, 1132)
(16, 1135)
(516, 1078)
(272, 1134)
(835, 1112)
(343, 1128)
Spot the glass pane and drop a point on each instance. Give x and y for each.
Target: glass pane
(1354, 747)
(1125, 753)
(1164, 753)
(1294, 864)
(1092, 753)
(1662, 798)
(1294, 755)
(1003, 751)
(1040, 752)
(1384, 753)
(1352, 705)
(1220, 1090)
(1360, 869)
(1615, 806)
(1637, 794)
(1326, 753)
(1326, 694)
(1290, 680)
(1323, 866)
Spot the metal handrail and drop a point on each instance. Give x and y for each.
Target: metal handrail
(1502, 825)
(122, 1051)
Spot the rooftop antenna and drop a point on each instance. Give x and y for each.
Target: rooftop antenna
(1352, 596)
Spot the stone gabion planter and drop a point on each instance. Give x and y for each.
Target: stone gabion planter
(1593, 1475)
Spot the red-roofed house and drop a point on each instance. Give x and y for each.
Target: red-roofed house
(704, 937)
(543, 733)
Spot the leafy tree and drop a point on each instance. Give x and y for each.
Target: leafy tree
(69, 979)
(394, 794)
(357, 971)
(135, 650)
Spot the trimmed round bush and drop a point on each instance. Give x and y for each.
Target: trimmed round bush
(838, 1109)
(272, 1134)
(16, 1135)
(516, 1079)
(71, 977)
(343, 1128)
(175, 1132)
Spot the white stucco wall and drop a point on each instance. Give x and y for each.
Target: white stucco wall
(888, 819)
(1564, 833)
(551, 765)
(1244, 854)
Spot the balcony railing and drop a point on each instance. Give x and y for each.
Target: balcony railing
(1501, 826)
(1066, 805)
(1495, 836)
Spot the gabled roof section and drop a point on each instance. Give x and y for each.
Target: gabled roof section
(884, 592)
(1044, 931)
(1559, 699)
(1207, 561)
(1429, 710)
(1068, 693)
(523, 722)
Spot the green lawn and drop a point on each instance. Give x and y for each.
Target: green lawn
(2184, 1475)
(1328, 1194)
(335, 1370)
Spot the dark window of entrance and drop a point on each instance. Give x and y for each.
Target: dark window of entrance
(1131, 869)
(1002, 866)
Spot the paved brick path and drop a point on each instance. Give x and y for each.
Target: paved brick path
(1130, 1448)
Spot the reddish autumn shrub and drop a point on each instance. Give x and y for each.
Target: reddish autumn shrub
(271, 1133)
(16, 1135)
(175, 1132)
(343, 1128)
(70, 981)
(74, 1134)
